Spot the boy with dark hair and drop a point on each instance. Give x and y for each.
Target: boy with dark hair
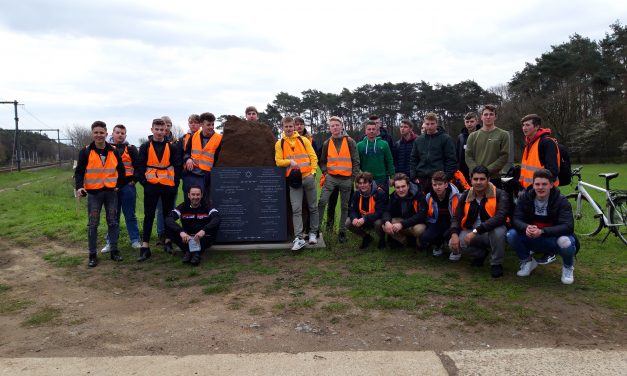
(543, 221)
(402, 147)
(541, 151)
(97, 175)
(478, 226)
(442, 201)
(251, 113)
(489, 146)
(471, 124)
(159, 171)
(406, 211)
(432, 151)
(201, 154)
(199, 226)
(375, 156)
(366, 209)
(127, 194)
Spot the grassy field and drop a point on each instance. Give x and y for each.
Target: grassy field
(37, 208)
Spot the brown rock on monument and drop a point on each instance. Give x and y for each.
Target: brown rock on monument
(246, 144)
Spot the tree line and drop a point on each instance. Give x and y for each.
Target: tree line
(578, 88)
(34, 148)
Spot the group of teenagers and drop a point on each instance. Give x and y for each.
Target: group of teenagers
(443, 192)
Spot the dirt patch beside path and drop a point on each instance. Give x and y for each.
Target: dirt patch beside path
(104, 312)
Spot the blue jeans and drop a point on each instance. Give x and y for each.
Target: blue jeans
(127, 197)
(522, 244)
(95, 201)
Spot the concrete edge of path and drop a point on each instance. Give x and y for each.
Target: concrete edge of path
(276, 364)
(538, 361)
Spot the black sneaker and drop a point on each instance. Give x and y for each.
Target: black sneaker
(365, 242)
(381, 244)
(496, 271)
(477, 262)
(342, 237)
(93, 260)
(546, 259)
(195, 259)
(144, 254)
(186, 258)
(167, 248)
(115, 255)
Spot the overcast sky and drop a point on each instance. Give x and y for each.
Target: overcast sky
(73, 62)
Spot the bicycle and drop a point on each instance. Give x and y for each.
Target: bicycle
(590, 219)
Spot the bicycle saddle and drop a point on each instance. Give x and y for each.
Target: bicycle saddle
(609, 175)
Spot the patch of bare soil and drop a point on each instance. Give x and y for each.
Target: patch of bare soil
(104, 313)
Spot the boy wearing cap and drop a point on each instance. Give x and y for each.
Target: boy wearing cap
(296, 154)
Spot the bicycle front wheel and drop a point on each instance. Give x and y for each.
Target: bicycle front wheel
(587, 223)
(618, 217)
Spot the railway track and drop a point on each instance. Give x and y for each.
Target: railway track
(33, 167)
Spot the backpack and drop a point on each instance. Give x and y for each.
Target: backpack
(565, 174)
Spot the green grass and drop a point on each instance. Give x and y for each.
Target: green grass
(328, 282)
(43, 316)
(61, 259)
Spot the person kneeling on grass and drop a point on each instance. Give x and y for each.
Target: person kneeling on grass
(406, 212)
(543, 221)
(442, 201)
(199, 228)
(478, 226)
(366, 209)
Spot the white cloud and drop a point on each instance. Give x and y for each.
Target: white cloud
(75, 62)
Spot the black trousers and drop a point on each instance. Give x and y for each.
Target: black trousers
(152, 193)
(205, 242)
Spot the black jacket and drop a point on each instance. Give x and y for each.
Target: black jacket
(133, 153)
(559, 221)
(403, 207)
(380, 203)
(402, 154)
(142, 160)
(487, 223)
(431, 153)
(193, 219)
(81, 166)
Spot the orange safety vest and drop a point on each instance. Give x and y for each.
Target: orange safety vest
(99, 175)
(297, 153)
(204, 157)
(432, 210)
(371, 205)
(490, 208)
(531, 163)
(339, 163)
(159, 171)
(128, 162)
(186, 140)
(459, 177)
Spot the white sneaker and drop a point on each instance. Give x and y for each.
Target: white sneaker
(526, 267)
(313, 239)
(568, 274)
(136, 245)
(437, 252)
(455, 256)
(106, 249)
(298, 244)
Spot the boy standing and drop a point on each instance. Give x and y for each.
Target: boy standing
(158, 170)
(127, 194)
(375, 156)
(96, 175)
(295, 152)
(339, 163)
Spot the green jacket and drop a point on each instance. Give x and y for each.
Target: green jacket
(376, 158)
(432, 153)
